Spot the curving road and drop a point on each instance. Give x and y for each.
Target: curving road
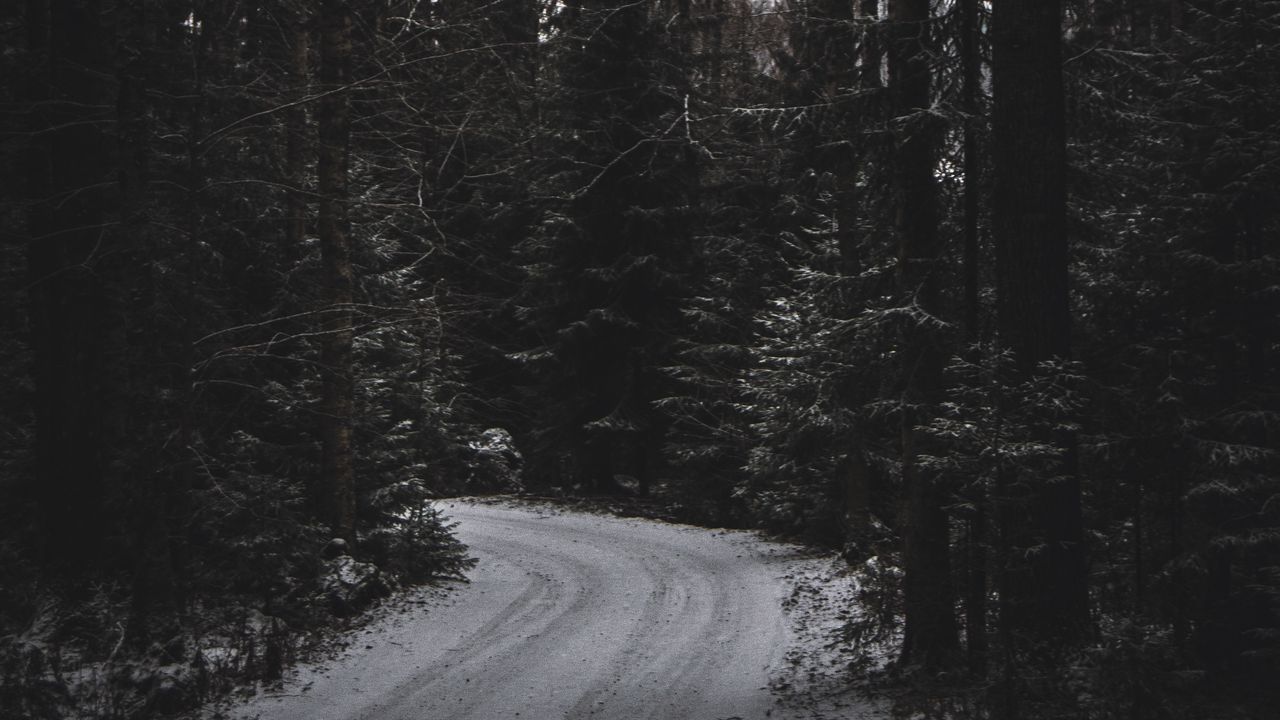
(568, 616)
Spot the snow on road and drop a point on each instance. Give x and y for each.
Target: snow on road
(570, 616)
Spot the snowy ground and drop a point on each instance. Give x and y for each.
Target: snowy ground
(571, 615)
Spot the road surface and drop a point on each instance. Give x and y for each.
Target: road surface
(570, 616)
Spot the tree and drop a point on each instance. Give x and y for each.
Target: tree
(69, 237)
(296, 151)
(605, 269)
(1049, 600)
(976, 537)
(1174, 161)
(929, 636)
(337, 408)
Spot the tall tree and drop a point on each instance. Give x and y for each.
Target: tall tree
(976, 537)
(296, 138)
(1049, 601)
(153, 373)
(605, 269)
(337, 407)
(68, 173)
(930, 635)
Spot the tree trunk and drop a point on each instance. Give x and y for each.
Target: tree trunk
(296, 137)
(1033, 313)
(67, 173)
(143, 365)
(337, 474)
(976, 596)
(871, 51)
(971, 86)
(929, 636)
(857, 489)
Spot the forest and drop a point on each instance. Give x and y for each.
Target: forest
(986, 291)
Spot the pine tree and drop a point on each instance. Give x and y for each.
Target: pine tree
(337, 493)
(1048, 601)
(930, 633)
(1168, 204)
(69, 237)
(605, 267)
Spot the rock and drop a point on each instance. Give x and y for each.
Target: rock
(165, 690)
(336, 547)
(626, 485)
(348, 586)
(169, 696)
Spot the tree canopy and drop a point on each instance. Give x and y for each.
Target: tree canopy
(983, 291)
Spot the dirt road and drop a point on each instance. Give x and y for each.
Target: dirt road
(569, 616)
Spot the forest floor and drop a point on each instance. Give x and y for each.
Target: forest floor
(572, 614)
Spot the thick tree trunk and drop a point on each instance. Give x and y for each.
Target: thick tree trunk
(296, 205)
(871, 50)
(713, 21)
(144, 367)
(976, 595)
(971, 87)
(930, 635)
(1033, 313)
(67, 174)
(337, 472)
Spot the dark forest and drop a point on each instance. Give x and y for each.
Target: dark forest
(988, 291)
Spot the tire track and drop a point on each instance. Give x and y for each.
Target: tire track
(568, 616)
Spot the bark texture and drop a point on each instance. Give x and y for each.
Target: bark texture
(929, 636)
(976, 538)
(1049, 600)
(296, 205)
(66, 175)
(337, 481)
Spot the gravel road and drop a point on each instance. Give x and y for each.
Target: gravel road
(568, 616)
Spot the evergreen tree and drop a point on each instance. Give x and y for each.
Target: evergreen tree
(930, 632)
(337, 493)
(605, 267)
(284, 271)
(1049, 599)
